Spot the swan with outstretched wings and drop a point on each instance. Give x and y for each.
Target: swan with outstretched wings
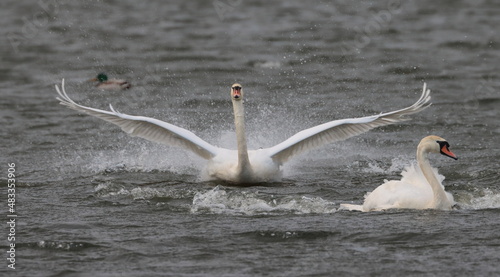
(243, 166)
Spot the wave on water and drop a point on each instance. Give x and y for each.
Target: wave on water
(490, 200)
(197, 199)
(396, 164)
(61, 245)
(107, 189)
(237, 202)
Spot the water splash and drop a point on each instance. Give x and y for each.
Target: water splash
(107, 190)
(490, 200)
(61, 245)
(126, 155)
(396, 164)
(237, 202)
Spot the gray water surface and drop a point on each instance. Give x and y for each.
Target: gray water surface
(93, 201)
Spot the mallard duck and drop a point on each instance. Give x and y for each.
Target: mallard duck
(111, 84)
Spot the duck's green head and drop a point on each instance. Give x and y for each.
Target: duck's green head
(101, 77)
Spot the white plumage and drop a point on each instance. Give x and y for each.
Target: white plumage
(419, 188)
(242, 166)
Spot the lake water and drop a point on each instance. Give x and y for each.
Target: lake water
(93, 201)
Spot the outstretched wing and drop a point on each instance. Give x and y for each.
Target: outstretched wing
(342, 129)
(145, 127)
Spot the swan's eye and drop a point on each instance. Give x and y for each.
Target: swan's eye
(237, 88)
(443, 144)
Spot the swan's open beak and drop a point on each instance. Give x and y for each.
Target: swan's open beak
(236, 92)
(446, 151)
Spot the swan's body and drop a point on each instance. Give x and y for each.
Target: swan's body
(242, 166)
(110, 84)
(420, 187)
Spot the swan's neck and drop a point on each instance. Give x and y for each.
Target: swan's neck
(244, 168)
(440, 200)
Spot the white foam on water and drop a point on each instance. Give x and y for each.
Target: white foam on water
(397, 164)
(222, 201)
(490, 200)
(107, 189)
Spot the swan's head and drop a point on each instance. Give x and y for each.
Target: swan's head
(236, 92)
(435, 144)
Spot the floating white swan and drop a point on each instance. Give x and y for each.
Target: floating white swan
(242, 166)
(419, 188)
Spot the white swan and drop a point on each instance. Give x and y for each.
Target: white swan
(242, 166)
(419, 188)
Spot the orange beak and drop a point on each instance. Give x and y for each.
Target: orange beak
(445, 151)
(236, 92)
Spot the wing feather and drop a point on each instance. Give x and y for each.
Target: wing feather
(338, 130)
(145, 127)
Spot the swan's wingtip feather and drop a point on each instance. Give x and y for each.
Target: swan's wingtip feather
(64, 98)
